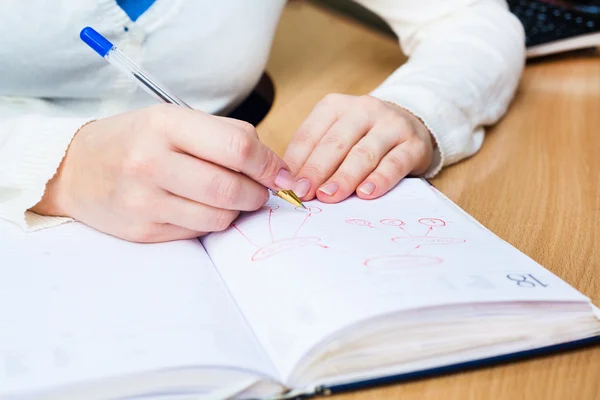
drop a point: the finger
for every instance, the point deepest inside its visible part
(194, 216)
(314, 127)
(209, 184)
(394, 166)
(331, 151)
(362, 159)
(208, 138)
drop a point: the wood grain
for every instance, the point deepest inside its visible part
(535, 183)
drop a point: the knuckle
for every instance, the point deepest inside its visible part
(159, 116)
(335, 140)
(405, 125)
(314, 171)
(364, 117)
(369, 102)
(398, 163)
(399, 124)
(248, 128)
(302, 135)
(383, 180)
(241, 147)
(228, 190)
(255, 202)
(332, 98)
(138, 164)
(345, 180)
(395, 116)
(222, 219)
(365, 154)
(406, 120)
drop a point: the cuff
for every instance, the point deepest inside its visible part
(35, 150)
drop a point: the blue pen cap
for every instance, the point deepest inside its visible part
(96, 41)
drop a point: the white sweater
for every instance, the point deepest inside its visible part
(465, 62)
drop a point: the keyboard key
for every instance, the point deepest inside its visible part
(545, 22)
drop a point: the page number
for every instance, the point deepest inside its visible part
(526, 281)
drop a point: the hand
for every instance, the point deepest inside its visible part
(356, 144)
(163, 173)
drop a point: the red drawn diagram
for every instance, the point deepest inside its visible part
(277, 245)
(413, 240)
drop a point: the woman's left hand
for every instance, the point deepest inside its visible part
(356, 144)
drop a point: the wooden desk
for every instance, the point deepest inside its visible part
(535, 183)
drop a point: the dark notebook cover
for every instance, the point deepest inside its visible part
(455, 368)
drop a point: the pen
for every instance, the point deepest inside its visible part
(110, 53)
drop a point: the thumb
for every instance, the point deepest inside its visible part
(275, 172)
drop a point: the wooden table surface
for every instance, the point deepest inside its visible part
(535, 183)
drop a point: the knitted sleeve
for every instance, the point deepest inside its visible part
(465, 60)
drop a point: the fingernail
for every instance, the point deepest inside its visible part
(302, 187)
(284, 180)
(367, 188)
(329, 188)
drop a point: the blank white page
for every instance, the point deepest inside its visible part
(301, 276)
(78, 305)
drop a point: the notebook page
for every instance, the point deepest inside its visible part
(77, 305)
(301, 276)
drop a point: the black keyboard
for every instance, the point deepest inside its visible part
(547, 22)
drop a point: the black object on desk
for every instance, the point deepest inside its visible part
(553, 26)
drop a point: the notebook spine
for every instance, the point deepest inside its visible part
(305, 394)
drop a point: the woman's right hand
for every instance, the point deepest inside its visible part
(163, 173)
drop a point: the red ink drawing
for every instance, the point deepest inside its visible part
(270, 227)
(432, 222)
(395, 222)
(244, 235)
(311, 211)
(429, 240)
(363, 222)
(413, 241)
(279, 246)
(283, 245)
(359, 222)
(392, 222)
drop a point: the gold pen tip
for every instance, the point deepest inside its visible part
(291, 197)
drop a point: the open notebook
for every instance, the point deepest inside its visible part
(284, 302)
